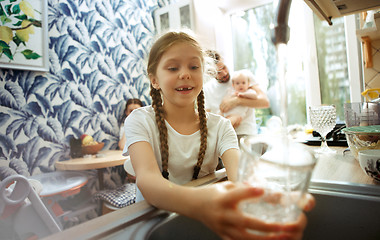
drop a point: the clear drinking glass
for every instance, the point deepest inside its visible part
(323, 120)
(282, 168)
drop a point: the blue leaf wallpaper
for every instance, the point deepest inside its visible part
(97, 52)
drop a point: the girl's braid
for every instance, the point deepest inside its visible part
(160, 119)
(203, 131)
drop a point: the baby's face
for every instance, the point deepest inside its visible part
(240, 83)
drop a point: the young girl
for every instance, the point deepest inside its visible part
(130, 105)
(172, 142)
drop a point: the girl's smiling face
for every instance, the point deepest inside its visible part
(179, 75)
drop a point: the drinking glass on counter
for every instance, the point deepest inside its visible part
(323, 120)
(282, 168)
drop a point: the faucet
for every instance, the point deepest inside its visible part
(280, 38)
(280, 33)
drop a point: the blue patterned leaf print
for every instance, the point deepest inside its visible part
(95, 46)
(147, 23)
(94, 83)
(54, 15)
(103, 9)
(106, 66)
(118, 57)
(3, 118)
(57, 86)
(105, 102)
(5, 172)
(7, 145)
(67, 74)
(78, 32)
(90, 21)
(33, 154)
(51, 131)
(76, 71)
(62, 154)
(66, 116)
(22, 121)
(44, 104)
(129, 43)
(70, 53)
(74, 115)
(119, 23)
(98, 107)
(34, 109)
(65, 9)
(81, 96)
(24, 80)
(77, 133)
(12, 96)
(102, 44)
(31, 126)
(63, 48)
(73, 6)
(19, 166)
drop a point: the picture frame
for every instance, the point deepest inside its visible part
(24, 35)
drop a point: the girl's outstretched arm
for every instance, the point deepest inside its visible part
(215, 205)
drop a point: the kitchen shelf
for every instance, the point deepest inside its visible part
(367, 35)
(373, 33)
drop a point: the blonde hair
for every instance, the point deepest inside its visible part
(157, 51)
(243, 72)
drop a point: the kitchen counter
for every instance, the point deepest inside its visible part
(339, 176)
(341, 167)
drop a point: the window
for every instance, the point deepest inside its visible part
(317, 63)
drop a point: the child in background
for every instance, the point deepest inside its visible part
(172, 142)
(131, 104)
(241, 81)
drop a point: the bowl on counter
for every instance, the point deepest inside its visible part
(361, 138)
(370, 162)
(92, 149)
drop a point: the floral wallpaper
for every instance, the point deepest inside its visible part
(97, 51)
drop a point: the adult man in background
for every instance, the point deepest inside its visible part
(217, 101)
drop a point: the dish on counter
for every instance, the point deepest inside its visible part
(362, 138)
(369, 161)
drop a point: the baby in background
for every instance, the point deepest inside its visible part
(241, 81)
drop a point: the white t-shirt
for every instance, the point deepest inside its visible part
(183, 149)
(214, 94)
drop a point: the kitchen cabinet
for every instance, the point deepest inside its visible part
(175, 16)
(367, 35)
(329, 9)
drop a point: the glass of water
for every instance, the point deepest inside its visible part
(282, 168)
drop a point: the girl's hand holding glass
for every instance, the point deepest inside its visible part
(219, 203)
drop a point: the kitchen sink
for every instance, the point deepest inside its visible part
(181, 227)
(348, 217)
(345, 216)
(338, 214)
(342, 212)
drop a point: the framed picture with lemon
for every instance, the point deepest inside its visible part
(24, 35)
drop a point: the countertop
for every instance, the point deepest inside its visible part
(340, 173)
(341, 167)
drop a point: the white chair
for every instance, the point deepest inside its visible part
(57, 187)
(22, 209)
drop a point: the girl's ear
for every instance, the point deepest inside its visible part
(154, 82)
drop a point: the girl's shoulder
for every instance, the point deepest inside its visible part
(140, 114)
(216, 119)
